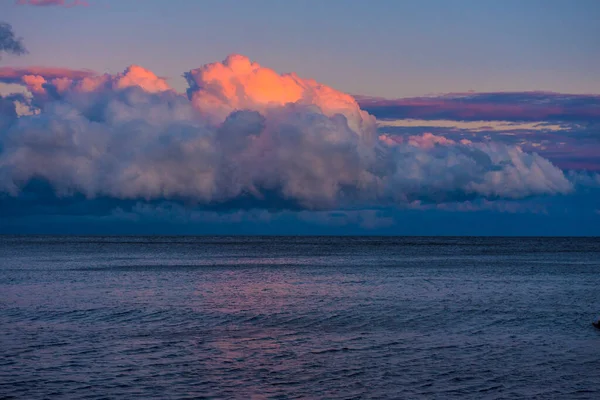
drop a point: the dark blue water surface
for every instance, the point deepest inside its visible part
(302, 317)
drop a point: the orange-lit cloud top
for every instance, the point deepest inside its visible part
(47, 3)
(63, 80)
(237, 83)
(246, 137)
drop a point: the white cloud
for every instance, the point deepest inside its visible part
(474, 126)
(244, 136)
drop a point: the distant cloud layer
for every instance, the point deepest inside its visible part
(46, 3)
(518, 106)
(563, 128)
(566, 145)
(17, 75)
(243, 137)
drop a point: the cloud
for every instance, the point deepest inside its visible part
(50, 81)
(237, 83)
(455, 171)
(568, 145)
(243, 137)
(473, 126)
(46, 3)
(16, 75)
(8, 111)
(9, 43)
(508, 106)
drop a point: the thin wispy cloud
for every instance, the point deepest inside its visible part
(473, 126)
(16, 74)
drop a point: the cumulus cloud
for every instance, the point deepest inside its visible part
(237, 83)
(464, 170)
(9, 43)
(46, 3)
(242, 137)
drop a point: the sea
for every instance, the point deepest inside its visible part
(299, 317)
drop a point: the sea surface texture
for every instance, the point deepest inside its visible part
(299, 317)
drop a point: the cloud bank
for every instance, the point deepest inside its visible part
(504, 106)
(17, 75)
(242, 137)
(563, 128)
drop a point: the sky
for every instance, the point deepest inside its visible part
(300, 117)
(382, 48)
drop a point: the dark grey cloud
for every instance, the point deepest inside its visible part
(9, 42)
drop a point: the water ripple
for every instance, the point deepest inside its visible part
(299, 318)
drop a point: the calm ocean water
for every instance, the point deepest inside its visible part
(302, 317)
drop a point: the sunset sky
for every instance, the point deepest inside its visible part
(301, 117)
(382, 48)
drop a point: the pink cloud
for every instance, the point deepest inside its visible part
(60, 3)
(238, 83)
(34, 83)
(517, 106)
(15, 75)
(425, 141)
(429, 140)
(63, 79)
(391, 140)
(135, 75)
